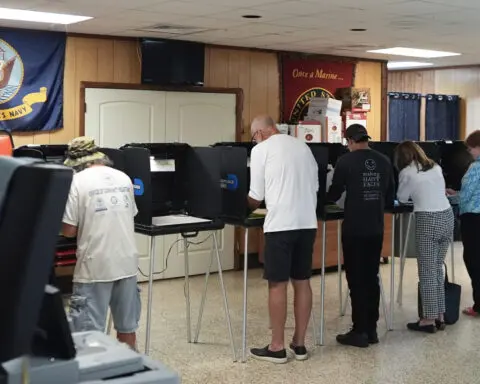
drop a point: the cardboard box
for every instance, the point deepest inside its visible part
(309, 131)
(349, 118)
(324, 106)
(355, 99)
(331, 127)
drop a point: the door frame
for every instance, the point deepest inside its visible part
(238, 92)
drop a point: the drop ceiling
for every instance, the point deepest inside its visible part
(312, 26)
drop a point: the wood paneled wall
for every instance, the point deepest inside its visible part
(88, 59)
(257, 73)
(369, 75)
(464, 82)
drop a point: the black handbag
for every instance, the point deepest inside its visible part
(453, 293)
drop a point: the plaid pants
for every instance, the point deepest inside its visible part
(434, 232)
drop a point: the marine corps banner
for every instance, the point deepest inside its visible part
(31, 80)
(303, 79)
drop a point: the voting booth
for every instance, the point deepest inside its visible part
(37, 345)
(185, 190)
(65, 251)
(243, 217)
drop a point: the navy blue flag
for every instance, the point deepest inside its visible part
(31, 80)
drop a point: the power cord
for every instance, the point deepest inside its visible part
(170, 251)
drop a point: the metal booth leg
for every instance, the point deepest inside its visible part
(225, 300)
(187, 290)
(204, 296)
(403, 257)
(392, 276)
(150, 293)
(245, 282)
(322, 297)
(339, 262)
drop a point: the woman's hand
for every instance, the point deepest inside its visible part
(450, 192)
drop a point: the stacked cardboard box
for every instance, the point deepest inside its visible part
(323, 122)
(356, 102)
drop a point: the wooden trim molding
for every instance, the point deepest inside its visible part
(384, 104)
(238, 92)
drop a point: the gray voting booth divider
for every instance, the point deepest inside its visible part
(37, 346)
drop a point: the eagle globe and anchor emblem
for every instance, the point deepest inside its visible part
(11, 81)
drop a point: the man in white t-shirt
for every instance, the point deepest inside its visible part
(99, 212)
(284, 173)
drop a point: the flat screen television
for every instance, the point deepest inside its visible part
(172, 62)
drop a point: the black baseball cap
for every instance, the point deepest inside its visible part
(356, 132)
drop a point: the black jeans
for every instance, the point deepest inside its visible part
(361, 256)
(470, 229)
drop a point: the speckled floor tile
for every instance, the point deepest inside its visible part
(401, 357)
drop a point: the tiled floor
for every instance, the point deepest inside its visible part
(448, 357)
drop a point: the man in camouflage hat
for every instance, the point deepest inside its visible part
(99, 212)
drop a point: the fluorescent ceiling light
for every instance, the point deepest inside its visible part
(406, 64)
(40, 17)
(414, 52)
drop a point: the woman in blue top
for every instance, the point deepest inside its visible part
(469, 200)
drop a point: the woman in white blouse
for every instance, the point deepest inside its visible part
(421, 181)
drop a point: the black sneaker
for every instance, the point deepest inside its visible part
(372, 337)
(440, 325)
(422, 328)
(265, 354)
(354, 339)
(300, 353)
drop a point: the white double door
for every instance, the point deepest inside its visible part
(116, 117)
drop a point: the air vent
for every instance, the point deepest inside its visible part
(173, 29)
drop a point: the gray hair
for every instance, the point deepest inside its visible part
(104, 161)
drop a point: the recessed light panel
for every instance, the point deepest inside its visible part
(414, 52)
(407, 64)
(40, 17)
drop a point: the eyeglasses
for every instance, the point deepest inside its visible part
(254, 137)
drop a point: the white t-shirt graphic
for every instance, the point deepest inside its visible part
(284, 173)
(102, 206)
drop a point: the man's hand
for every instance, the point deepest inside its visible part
(450, 192)
(69, 230)
(253, 204)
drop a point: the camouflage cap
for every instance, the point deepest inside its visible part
(82, 150)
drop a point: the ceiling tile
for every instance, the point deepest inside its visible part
(266, 16)
(236, 3)
(211, 22)
(292, 7)
(187, 8)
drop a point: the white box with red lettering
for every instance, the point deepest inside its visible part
(332, 127)
(309, 131)
(350, 118)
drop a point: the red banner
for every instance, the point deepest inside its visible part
(304, 79)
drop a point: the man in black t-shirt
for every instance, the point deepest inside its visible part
(367, 177)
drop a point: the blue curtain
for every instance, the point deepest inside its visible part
(442, 117)
(404, 116)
